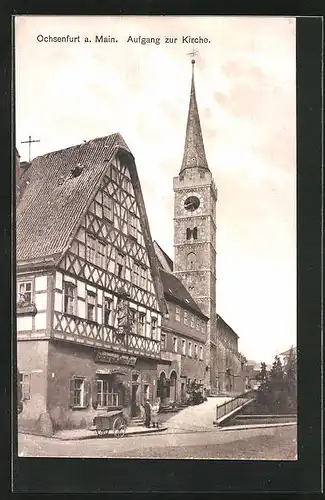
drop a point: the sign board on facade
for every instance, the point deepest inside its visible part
(117, 359)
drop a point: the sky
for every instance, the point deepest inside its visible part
(246, 92)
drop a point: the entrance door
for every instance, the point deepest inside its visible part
(134, 407)
(183, 392)
(173, 387)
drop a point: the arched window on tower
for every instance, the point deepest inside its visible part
(188, 233)
(191, 260)
(194, 232)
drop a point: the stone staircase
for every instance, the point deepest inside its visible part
(136, 422)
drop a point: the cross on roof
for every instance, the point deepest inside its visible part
(194, 52)
(29, 142)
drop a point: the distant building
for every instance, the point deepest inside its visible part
(230, 362)
(284, 355)
(183, 334)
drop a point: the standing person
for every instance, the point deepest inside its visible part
(142, 412)
(155, 412)
(147, 410)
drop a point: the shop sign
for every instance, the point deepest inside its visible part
(114, 358)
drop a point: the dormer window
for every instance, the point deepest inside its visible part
(77, 170)
(24, 295)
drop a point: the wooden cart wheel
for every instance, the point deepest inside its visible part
(119, 427)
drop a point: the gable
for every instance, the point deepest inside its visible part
(112, 233)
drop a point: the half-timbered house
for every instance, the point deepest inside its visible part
(89, 293)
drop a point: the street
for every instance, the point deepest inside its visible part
(277, 443)
(190, 434)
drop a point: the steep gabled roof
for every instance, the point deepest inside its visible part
(174, 289)
(164, 260)
(286, 353)
(54, 201)
(219, 318)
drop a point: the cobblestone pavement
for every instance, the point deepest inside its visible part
(278, 443)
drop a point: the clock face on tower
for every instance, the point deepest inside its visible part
(192, 202)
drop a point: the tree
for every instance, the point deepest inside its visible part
(277, 392)
(290, 377)
(262, 374)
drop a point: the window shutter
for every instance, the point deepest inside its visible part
(28, 377)
(86, 393)
(158, 387)
(72, 387)
(19, 388)
(94, 394)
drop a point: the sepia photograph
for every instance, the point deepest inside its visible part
(155, 227)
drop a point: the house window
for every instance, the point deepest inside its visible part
(188, 233)
(91, 249)
(177, 314)
(136, 274)
(163, 342)
(25, 291)
(142, 318)
(107, 394)
(183, 347)
(101, 255)
(185, 318)
(114, 174)
(201, 352)
(107, 207)
(107, 310)
(120, 263)
(190, 349)
(98, 209)
(126, 184)
(24, 380)
(175, 344)
(194, 232)
(195, 351)
(133, 225)
(91, 306)
(133, 314)
(79, 392)
(192, 321)
(81, 249)
(191, 260)
(153, 328)
(69, 298)
(143, 272)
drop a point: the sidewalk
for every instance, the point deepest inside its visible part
(77, 434)
(255, 426)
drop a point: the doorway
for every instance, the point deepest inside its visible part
(173, 387)
(161, 387)
(134, 407)
(183, 392)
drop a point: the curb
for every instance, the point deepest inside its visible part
(94, 435)
(254, 426)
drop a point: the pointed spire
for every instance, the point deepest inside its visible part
(194, 152)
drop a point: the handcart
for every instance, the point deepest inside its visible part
(112, 420)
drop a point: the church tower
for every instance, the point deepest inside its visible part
(195, 197)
